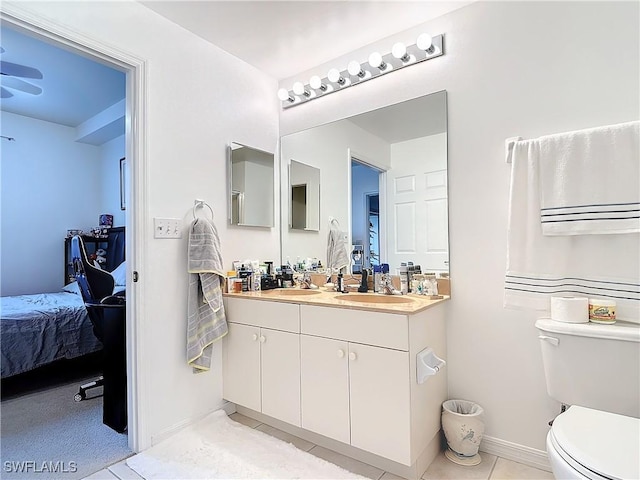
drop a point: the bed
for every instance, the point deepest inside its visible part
(38, 329)
(41, 328)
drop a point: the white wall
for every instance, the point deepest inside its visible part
(50, 183)
(110, 155)
(510, 68)
(198, 100)
(326, 148)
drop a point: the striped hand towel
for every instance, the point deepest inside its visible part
(206, 321)
(589, 180)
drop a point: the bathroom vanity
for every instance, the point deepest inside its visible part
(340, 370)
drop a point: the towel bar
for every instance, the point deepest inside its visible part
(201, 204)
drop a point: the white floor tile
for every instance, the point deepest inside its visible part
(391, 476)
(249, 422)
(286, 437)
(444, 469)
(101, 475)
(347, 463)
(509, 470)
(124, 472)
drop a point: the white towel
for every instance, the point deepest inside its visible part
(538, 266)
(337, 254)
(206, 321)
(590, 180)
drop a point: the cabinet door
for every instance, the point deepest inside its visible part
(325, 386)
(380, 401)
(241, 366)
(281, 375)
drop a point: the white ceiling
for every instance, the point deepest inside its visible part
(283, 38)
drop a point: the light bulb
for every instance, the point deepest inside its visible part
(375, 60)
(283, 94)
(354, 68)
(298, 89)
(399, 50)
(316, 83)
(335, 77)
(425, 42)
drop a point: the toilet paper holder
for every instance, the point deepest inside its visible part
(428, 364)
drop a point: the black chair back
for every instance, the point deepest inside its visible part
(95, 283)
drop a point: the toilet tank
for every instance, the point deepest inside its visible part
(592, 365)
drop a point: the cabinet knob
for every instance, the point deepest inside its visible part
(352, 356)
(263, 339)
(340, 353)
(254, 336)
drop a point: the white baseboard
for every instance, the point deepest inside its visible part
(516, 452)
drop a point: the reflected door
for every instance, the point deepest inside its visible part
(417, 204)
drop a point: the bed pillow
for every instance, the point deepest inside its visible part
(71, 288)
(120, 274)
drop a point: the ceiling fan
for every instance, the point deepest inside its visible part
(8, 73)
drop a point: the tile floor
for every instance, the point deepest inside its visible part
(491, 468)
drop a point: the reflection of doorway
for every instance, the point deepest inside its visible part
(237, 207)
(299, 206)
(365, 212)
(372, 253)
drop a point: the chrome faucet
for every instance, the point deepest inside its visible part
(306, 280)
(386, 285)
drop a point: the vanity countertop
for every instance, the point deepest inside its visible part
(375, 302)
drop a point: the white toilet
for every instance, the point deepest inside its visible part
(595, 369)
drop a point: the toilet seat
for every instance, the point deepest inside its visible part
(599, 445)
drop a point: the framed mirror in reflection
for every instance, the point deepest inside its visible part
(251, 186)
(304, 197)
(386, 185)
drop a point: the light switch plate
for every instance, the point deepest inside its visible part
(167, 228)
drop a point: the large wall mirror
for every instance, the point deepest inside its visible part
(384, 179)
(250, 184)
(304, 197)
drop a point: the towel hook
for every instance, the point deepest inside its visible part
(201, 204)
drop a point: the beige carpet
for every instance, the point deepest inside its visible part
(46, 435)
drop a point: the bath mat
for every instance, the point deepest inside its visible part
(217, 447)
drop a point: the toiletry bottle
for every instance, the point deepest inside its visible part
(377, 272)
(402, 271)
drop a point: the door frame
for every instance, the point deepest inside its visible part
(137, 207)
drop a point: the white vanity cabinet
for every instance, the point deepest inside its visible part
(352, 393)
(366, 406)
(343, 378)
(261, 364)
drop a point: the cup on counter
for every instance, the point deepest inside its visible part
(602, 311)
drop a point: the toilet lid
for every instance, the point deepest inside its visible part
(606, 443)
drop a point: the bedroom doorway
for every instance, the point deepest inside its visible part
(135, 188)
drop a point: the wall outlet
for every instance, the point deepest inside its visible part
(167, 228)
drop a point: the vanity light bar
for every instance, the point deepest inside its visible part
(425, 48)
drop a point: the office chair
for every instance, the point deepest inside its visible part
(107, 314)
